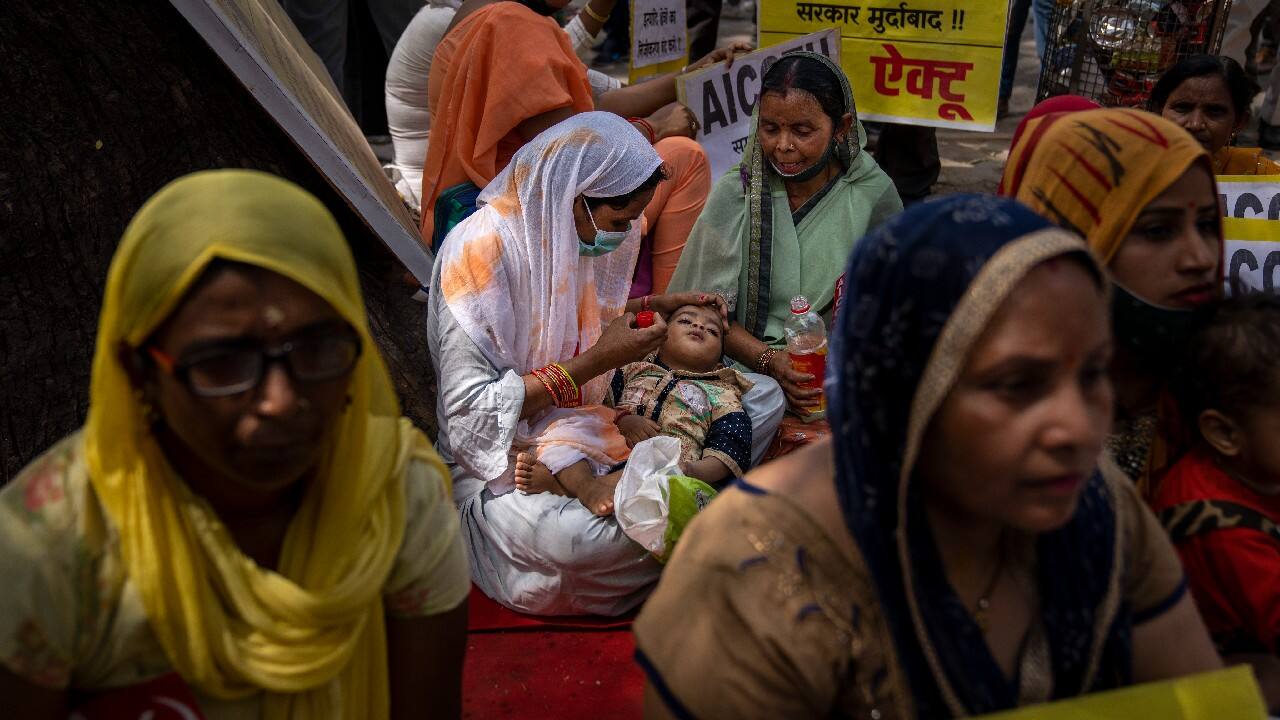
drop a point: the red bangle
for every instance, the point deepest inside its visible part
(560, 386)
(541, 375)
(648, 128)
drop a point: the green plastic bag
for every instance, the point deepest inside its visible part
(686, 497)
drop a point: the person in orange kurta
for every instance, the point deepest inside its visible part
(504, 72)
(1209, 97)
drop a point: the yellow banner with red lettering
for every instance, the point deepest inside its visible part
(916, 62)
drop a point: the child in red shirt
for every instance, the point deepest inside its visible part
(1221, 502)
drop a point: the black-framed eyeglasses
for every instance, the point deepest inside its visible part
(238, 366)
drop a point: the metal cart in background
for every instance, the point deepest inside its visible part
(1113, 51)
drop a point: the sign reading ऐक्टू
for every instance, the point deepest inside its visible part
(722, 97)
(915, 62)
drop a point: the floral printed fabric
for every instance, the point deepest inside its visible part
(71, 618)
(701, 410)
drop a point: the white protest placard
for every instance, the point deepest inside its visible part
(1251, 254)
(659, 37)
(723, 98)
(1250, 196)
(262, 48)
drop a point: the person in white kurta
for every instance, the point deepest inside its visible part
(512, 292)
(408, 119)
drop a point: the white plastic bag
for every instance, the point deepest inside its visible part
(640, 499)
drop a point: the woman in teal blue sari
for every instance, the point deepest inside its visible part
(782, 224)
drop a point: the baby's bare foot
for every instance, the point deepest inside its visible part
(532, 477)
(597, 496)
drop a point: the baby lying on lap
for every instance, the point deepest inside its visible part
(683, 392)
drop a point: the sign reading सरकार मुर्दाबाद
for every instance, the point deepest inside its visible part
(723, 98)
(659, 37)
(914, 62)
(1251, 232)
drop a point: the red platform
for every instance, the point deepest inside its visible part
(562, 668)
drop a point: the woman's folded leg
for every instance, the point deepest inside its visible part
(548, 555)
(766, 404)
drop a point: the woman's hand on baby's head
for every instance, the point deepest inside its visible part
(668, 304)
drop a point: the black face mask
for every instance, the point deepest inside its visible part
(1156, 335)
(813, 170)
(539, 6)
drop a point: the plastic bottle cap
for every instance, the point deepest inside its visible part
(644, 319)
(799, 305)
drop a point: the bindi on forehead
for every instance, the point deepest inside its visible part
(272, 316)
(238, 302)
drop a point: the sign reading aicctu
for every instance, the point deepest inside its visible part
(729, 97)
(723, 98)
(1251, 229)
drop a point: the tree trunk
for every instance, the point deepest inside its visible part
(105, 102)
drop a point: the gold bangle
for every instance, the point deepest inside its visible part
(765, 360)
(592, 14)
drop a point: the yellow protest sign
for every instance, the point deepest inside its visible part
(1230, 693)
(916, 62)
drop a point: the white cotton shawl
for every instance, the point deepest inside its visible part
(511, 274)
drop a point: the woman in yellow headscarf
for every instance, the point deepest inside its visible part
(245, 525)
(1140, 190)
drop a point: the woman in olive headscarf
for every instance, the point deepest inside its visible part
(245, 525)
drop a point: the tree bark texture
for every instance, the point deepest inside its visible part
(104, 102)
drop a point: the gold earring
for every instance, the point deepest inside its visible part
(150, 415)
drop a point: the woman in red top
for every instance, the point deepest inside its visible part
(1221, 502)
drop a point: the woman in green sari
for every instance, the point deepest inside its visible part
(784, 222)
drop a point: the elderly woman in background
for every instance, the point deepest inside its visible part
(783, 223)
(1140, 190)
(529, 312)
(1209, 97)
(245, 511)
(958, 548)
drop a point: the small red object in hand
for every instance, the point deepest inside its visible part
(644, 319)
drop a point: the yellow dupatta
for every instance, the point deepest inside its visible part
(1094, 171)
(311, 635)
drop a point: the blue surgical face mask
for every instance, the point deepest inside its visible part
(605, 241)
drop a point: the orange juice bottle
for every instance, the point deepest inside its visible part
(807, 346)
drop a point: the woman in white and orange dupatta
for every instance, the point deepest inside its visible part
(536, 282)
